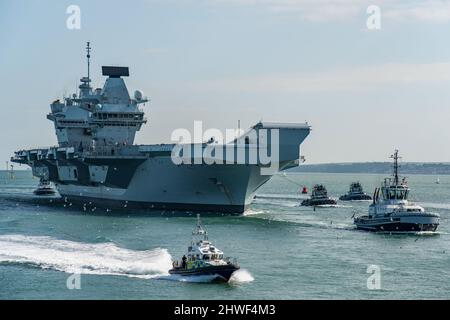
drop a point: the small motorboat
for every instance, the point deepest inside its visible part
(45, 188)
(355, 193)
(394, 213)
(319, 197)
(204, 259)
(304, 190)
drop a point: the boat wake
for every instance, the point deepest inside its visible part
(332, 206)
(251, 212)
(433, 205)
(239, 276)
(281, 197)
(411, 233)
(85, 258)
(277, 201)
(429, 233)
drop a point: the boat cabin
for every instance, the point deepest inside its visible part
(356, 187)
(319, 191)
(204, 250)
(395, 191)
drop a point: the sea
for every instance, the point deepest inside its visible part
(53, 250)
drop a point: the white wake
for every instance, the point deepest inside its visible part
(87, 258)
(241, 275)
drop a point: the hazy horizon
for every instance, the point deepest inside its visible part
(364, 92)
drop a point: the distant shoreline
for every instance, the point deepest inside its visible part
(427, 168)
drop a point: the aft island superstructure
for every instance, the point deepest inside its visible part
(97, 163)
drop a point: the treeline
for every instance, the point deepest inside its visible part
(376, 167)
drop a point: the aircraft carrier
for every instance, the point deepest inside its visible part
(96, 162)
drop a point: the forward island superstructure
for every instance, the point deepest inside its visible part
(97, 163)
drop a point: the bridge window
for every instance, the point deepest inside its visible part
(396, 194)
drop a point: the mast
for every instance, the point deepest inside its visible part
(85, 87)
(88, 56)
(199, 230)
(395, 157)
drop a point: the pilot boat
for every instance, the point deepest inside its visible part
(355, 193)
(393, 212)
(319, 197)
(44, 188)
(204, 259)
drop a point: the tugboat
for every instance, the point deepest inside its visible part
(355, 193)
(44, 188)
(319, 197)
(203, 259)
(394, 213)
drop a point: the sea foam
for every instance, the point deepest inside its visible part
(87, 258)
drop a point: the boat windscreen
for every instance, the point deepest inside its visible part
(395, 194)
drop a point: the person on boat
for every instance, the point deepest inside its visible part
(183, 262)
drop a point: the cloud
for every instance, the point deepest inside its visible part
(365, 78)
(335, 10)
(310, 10)
(429, 11)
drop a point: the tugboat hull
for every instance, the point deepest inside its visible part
(401, 224)
(223, 273)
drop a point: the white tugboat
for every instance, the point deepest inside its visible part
(319, 197)
(203, 259)
(44, 188)
(356, 193)
(394, 213)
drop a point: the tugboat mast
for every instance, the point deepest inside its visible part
(395, 157)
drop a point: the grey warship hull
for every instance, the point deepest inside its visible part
(146, 177)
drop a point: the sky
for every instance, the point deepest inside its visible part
(363, 91)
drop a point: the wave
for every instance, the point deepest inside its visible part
(280, 196)
(251, 212)
(434, 205)
(87, 258)
(332, 206)
(291, 203)
(326, 225)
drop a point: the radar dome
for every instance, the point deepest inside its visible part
(138, 95)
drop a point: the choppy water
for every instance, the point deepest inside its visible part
(286, 251)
